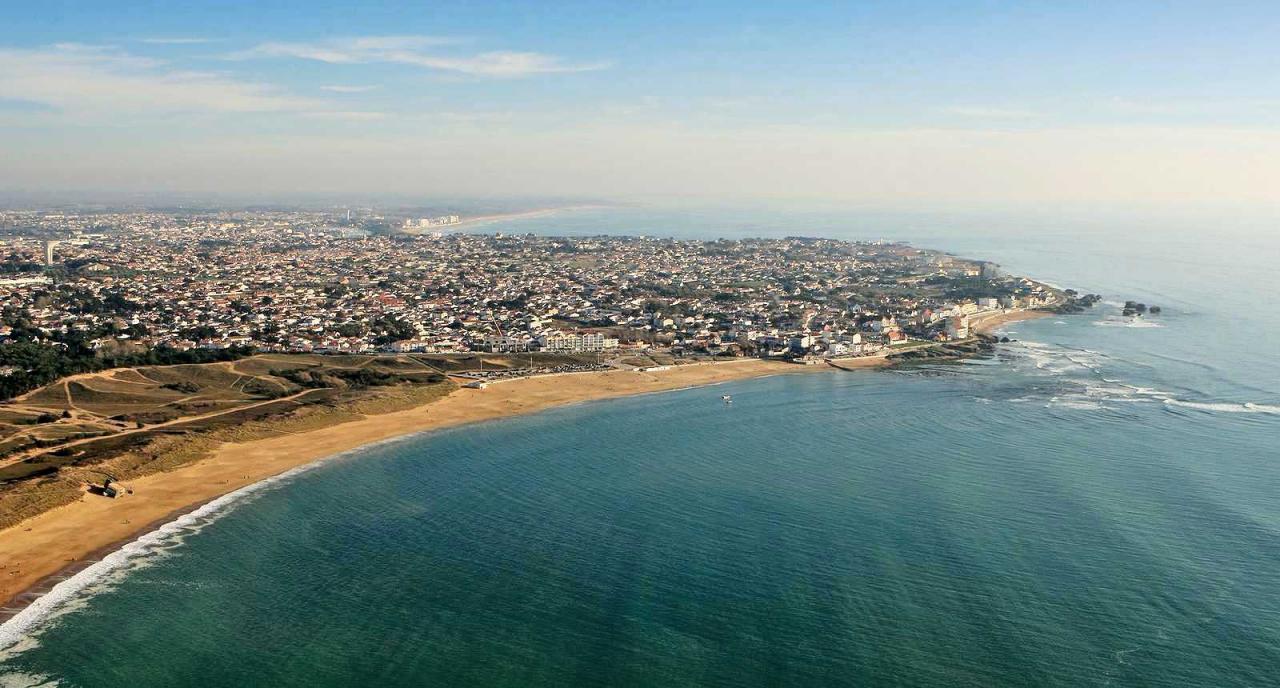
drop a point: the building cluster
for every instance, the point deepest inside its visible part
(424, 222)
(293, 281)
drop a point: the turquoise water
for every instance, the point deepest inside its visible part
(1097, 505)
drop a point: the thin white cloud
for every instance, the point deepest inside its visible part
(89, 52)
(503, 64)
(345, 50)
(409, 50)
(347, 89)
(474, 117)
(177, 40)
(987, 112)
(299, 50)
(79, 78)
(400, 42)
(353, 115)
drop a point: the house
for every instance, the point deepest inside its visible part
(958, 327)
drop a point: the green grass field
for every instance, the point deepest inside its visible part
(194, 398)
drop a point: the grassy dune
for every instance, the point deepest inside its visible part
(136, 422)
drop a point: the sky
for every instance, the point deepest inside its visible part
(920, 104)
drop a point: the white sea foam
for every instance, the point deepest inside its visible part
(1226, 407)
(1079, 381)
(1075, 403)
(1147, 391)
(1085, 395)
(1056, 360)
(1116, 389)
(1092, 394)
(1127, 322)
(71, 594)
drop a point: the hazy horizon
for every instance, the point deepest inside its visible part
(906, 105)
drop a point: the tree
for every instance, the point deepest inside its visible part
(350, 329)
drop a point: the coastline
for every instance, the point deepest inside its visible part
(39, 553)
(524, 214)
(499, 217)
(48, 548)
(987, 323)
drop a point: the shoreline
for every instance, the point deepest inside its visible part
(536, 212)
(53, 546)
(499, 217)
(987, 323)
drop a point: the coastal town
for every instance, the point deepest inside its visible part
(629, 344)
(137, 346)
(310, 282)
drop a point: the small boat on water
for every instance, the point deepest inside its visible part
(726, 397)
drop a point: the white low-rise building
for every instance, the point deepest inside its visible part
(505, 344)
(589, 341)
(958, 327)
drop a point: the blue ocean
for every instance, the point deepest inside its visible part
(1096, 505)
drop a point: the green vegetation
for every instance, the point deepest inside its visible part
(357, 378)
(36, 364)
(107, 421)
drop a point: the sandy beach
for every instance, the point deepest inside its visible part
(537, 212)
(499, 217)
(38, 552)
(986, 323)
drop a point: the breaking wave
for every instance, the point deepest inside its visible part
(1226, 407)
(1127, 322)
(17, 633)
(1076, 380)
(1056, 359)
(69, 594)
